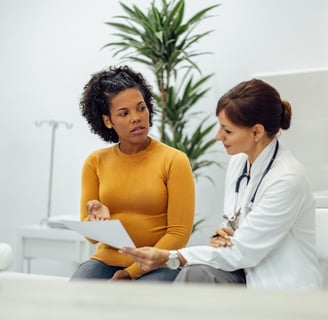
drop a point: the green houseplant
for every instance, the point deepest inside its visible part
(161, 40)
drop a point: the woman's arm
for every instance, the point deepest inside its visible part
(89, 190)
(181, 204)
(180, 207)
(89, 186)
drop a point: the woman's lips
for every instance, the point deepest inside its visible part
(138, 130)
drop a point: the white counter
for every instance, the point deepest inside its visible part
(40, 299)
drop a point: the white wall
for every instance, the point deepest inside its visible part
(50, 48)
(307, 138)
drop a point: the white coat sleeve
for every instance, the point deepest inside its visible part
(278, 205)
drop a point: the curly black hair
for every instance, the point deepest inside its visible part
(102, 87)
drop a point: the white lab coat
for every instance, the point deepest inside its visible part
(275, 241)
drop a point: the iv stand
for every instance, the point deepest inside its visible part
(54, 126)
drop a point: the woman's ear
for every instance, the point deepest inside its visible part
(107, 121)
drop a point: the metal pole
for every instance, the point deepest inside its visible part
(54, 125)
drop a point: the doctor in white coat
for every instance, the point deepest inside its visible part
(268, 239)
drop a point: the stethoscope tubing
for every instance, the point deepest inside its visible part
(244, 175)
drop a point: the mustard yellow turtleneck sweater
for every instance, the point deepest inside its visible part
(150, 192)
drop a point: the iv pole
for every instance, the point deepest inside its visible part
(54, 126)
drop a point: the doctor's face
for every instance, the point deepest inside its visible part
(235, 139)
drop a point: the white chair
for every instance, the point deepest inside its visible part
(6, 256)
(322, 233)
(322, 240)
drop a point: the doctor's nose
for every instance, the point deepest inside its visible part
(218, 136)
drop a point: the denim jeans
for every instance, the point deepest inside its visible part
(94, 269)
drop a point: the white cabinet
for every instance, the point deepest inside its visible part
(51, 244)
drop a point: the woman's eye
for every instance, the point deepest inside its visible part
(227, 131)
(123, 114)
(142, 108)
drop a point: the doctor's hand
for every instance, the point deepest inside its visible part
(148, 258)
(97, 211)
(222, 238)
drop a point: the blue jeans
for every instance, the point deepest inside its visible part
(94, 269)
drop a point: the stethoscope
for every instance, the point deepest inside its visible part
(233, 220)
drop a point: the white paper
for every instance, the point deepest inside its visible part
(110, 232)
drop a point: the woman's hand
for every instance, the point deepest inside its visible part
(97, 211)
(148, 258)
(121, 275)
(222, 238)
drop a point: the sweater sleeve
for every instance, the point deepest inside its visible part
(89, 187)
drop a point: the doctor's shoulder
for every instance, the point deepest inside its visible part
(288, 175)
(287, 164)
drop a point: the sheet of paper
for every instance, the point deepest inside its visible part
(110, 232)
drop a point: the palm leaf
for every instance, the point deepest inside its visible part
(162, 39)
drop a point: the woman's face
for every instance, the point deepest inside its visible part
(235, 139)
(129, 116)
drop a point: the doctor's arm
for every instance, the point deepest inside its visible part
(261, 231)
(150, 258)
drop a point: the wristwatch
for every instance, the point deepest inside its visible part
(173, 261)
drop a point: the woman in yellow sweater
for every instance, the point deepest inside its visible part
(144, 183)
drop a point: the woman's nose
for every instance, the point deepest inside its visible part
(135, 118)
